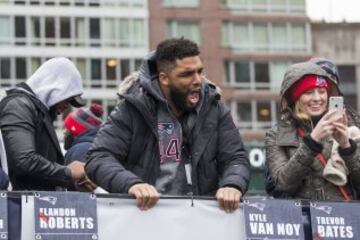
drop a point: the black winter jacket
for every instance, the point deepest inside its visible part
(33, 152)
(126, 151)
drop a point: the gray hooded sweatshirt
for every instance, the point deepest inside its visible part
(55, 80)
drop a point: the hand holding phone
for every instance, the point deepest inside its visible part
(336, 102)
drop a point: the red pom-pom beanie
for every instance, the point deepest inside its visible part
(84, 119)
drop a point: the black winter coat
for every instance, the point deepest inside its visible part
(126, 151)
(33, 152)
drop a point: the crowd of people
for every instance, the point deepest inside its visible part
(172, 134)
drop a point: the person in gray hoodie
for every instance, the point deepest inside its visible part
(170, 134)
(34, 157)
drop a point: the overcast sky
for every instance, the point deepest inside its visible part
(334, 10)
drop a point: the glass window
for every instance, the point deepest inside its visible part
(94, 31)
(35, 29)
(139, 32)
(95, 69)
(279, 37)
(181, 3)
(348, 84)
(109, 31)
(5, 68)
(49, 27)
(80, 31)
(35, 64)
(264, 111)
(81, 66)
(125, 68)
(298, 37)
(50, 31)
(4, 30)
(241, 35)
(20, 31)
(260, 37)
(189, 30)
(262, 77)
(244, 111)
(227, 72)
(20, 68)
(94, 28)
(277, 71)
(65, 28)
(124, 32)
(242, 72)
(111, 69)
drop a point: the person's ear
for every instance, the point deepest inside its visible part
(163, 79)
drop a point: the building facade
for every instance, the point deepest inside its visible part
(106, 39)
(340, 42)
(246, 46)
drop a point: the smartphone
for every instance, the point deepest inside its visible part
(336, 103)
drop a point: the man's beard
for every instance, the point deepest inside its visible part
(179, 99)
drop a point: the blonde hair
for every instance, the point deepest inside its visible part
(298, 113)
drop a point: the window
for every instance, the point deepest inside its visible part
(186, 29)
(244, 111)
(348, 83)
(108, 32)
(95, 69)
(81, 66)
(298, 37)
(260, 37)
(20, 31)
(265, 37)
(279, 37)
(242, 72)
(255, 75)
(80, 31)
(35, 64)
(4, 30)
(50, 31)
(94, 31)
(20, 68)
(111, 69)
(5, 68)
(139, 33)
(277, 71)
(263, 112)
(35, 30)
(254, 114)
(181, 3)
(262, 76)
(267, 6)
(65, 31)
(125, 68)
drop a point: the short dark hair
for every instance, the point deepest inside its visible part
(169, 50)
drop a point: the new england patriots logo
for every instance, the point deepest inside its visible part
(166, 128)
(321, 82)
(49, 199)
(323, 208)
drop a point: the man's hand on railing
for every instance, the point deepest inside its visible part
(228, 198)
(146, 195)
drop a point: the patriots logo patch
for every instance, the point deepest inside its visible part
(166, 128)
(321, 82)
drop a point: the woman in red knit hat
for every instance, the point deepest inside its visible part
(299, 147)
